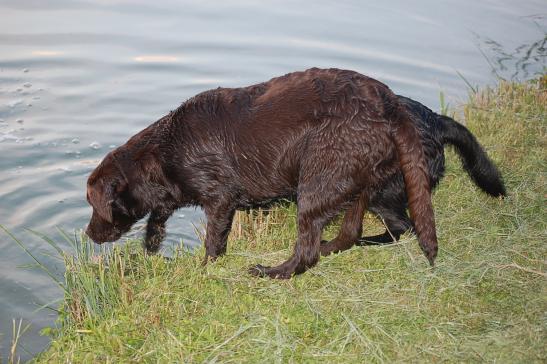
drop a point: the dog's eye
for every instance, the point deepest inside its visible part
(119, 208)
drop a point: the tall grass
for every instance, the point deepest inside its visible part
(484, 301)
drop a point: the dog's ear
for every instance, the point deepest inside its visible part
(100, 196)
(147, 159)
(154, 181)
(103, 200)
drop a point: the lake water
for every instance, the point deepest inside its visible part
(78, 78)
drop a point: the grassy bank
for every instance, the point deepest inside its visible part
(486, 300)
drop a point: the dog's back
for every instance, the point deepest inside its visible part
(260, 135)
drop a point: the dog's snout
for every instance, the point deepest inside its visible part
(91, 235)
(88, 232)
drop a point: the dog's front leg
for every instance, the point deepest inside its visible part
(219, 223)
(155, 230)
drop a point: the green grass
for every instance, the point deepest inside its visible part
(486, 299)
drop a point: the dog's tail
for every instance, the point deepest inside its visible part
(474, 159)
(416, 177)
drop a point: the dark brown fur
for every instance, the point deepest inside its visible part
(390, 202)
(326, 138)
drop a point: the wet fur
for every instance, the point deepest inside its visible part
(390, 202)
(326, 138)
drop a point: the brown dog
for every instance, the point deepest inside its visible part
(326, 138)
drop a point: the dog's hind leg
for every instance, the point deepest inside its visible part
(219, 223)
(416, 177)
(306, 251)
(351, 229)
(317, 205)
(397, 223)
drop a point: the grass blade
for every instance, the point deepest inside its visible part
(40, 264)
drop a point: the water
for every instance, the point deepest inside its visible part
(79, 77)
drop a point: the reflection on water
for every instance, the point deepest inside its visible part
(77, 78)
(45, 53)
(156, 59)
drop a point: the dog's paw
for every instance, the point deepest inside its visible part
(208, 258)
(261, 271)
(257, 270)
(326, 248)
(335, 246)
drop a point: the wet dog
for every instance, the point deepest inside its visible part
(390, 201)
(326, 138)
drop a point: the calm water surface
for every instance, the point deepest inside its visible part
(78, 78)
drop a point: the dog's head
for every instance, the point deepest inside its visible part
(110, 191)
